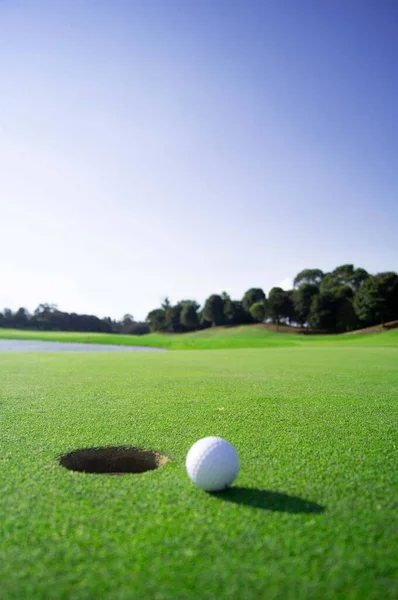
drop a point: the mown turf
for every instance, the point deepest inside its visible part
(246, 336)
(313, 513)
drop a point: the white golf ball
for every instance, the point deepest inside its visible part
(212, 464)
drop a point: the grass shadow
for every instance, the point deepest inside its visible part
(267, 500)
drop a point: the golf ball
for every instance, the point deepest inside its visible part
(212, 464)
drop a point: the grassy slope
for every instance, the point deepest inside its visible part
(218, 338)
(318, 424)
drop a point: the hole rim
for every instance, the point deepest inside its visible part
(113, 460)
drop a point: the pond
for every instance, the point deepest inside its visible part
(41, 346)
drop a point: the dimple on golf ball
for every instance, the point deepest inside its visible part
(212, 464)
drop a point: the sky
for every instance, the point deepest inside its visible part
(180, 148)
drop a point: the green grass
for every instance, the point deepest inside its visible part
(246, 336)
(316, 424)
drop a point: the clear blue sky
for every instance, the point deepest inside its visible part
(182, 148)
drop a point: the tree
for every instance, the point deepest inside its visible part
(170, 318)
(43, 316)
(234, 313)
(290, 309)
(228, 308)
(113, 325)
(257, 311)
(377, 299)
(302, 299)
(173, 318)
(333, 310)
(213, 310)
(166, 303)
(344, 275)
(157, 320)
(189, 315)
(127, 320)
(137, 329)
(349, 275)
(7, 318)
(21, 318)
(125, 325)
(48, 317)
(313, 276)
(278, 305)
(346, 319)
(45, 308)
(359, 277)
(191, 302)
(172, 315)
(203, 322)
(251, 296)
(322, 312)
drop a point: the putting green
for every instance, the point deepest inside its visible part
(313, 513)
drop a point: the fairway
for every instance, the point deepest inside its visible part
(213, 338)
(313, 513)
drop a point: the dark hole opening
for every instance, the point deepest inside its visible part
(113, 460)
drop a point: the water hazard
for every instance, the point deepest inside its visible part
(41, 346)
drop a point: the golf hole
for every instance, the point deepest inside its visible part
(113, 460)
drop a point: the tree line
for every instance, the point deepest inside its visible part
(344, 299)
(47, 317)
